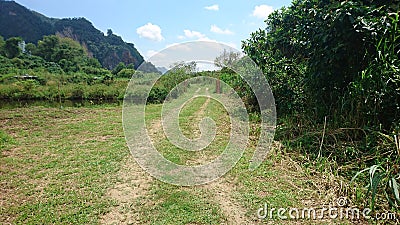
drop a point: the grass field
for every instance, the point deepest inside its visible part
(72, 166)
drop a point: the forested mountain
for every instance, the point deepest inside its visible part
(16, 20)
(110, 49)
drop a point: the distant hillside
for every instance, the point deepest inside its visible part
(162, 69)
(110, 49)
(16, 20)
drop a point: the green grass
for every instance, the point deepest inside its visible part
(189, 121)
(273, 183)
(57, 165)
(177, 205)
(60, 164)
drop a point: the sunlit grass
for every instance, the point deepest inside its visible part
(60, 164)
(57, 165)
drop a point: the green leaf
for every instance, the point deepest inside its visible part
(395, 188)
(372, 170)
(376, 179)
(357, 174)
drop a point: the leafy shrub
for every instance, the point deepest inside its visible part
(157, 94)
(77, 93)
(126, 73)
(95, 71)
(333, 67)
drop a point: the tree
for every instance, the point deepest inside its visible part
(30, 48)
(70, 50)
(183, 68)
(335, 40)
(66, 52)
(118, 68)
(109, 32)
(93, 62)
(130, 66)
(126, 73)
(12, 48)
(2, 43)
(227, 59)
(47, 47)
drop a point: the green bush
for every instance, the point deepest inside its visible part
(333, 67)
(126, 73)
(157, 94)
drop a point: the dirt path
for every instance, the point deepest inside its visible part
(221, 190)
(222, 194)
(134, 183)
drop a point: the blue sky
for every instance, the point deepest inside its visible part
(153, 25)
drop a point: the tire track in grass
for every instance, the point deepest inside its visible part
(134, 185)
(221, 190)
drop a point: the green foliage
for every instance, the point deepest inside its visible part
(110, 50)
(57, 55)
(96, 71)
(167, 83)
(58, 68)
(47, 47)
(333, 67)
(235, 81)
(118, 68)
(93, 62)
(328, 39)
(16, 20)
(226, 59)
(126, 73)
(375, 93)
(32, 26)
(387, 178)
(69, 54)
(157, 94)
(12, 48)
(2, 43)
(30, 48)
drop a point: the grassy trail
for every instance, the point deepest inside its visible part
(72, 166)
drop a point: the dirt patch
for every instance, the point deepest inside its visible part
(133, 183)
(222, 191)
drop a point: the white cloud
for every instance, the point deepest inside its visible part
(212, 7)
(150, 31)
(194, 34)
(262, 11)
(150, 53)
(197, 36)
(216, 29)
